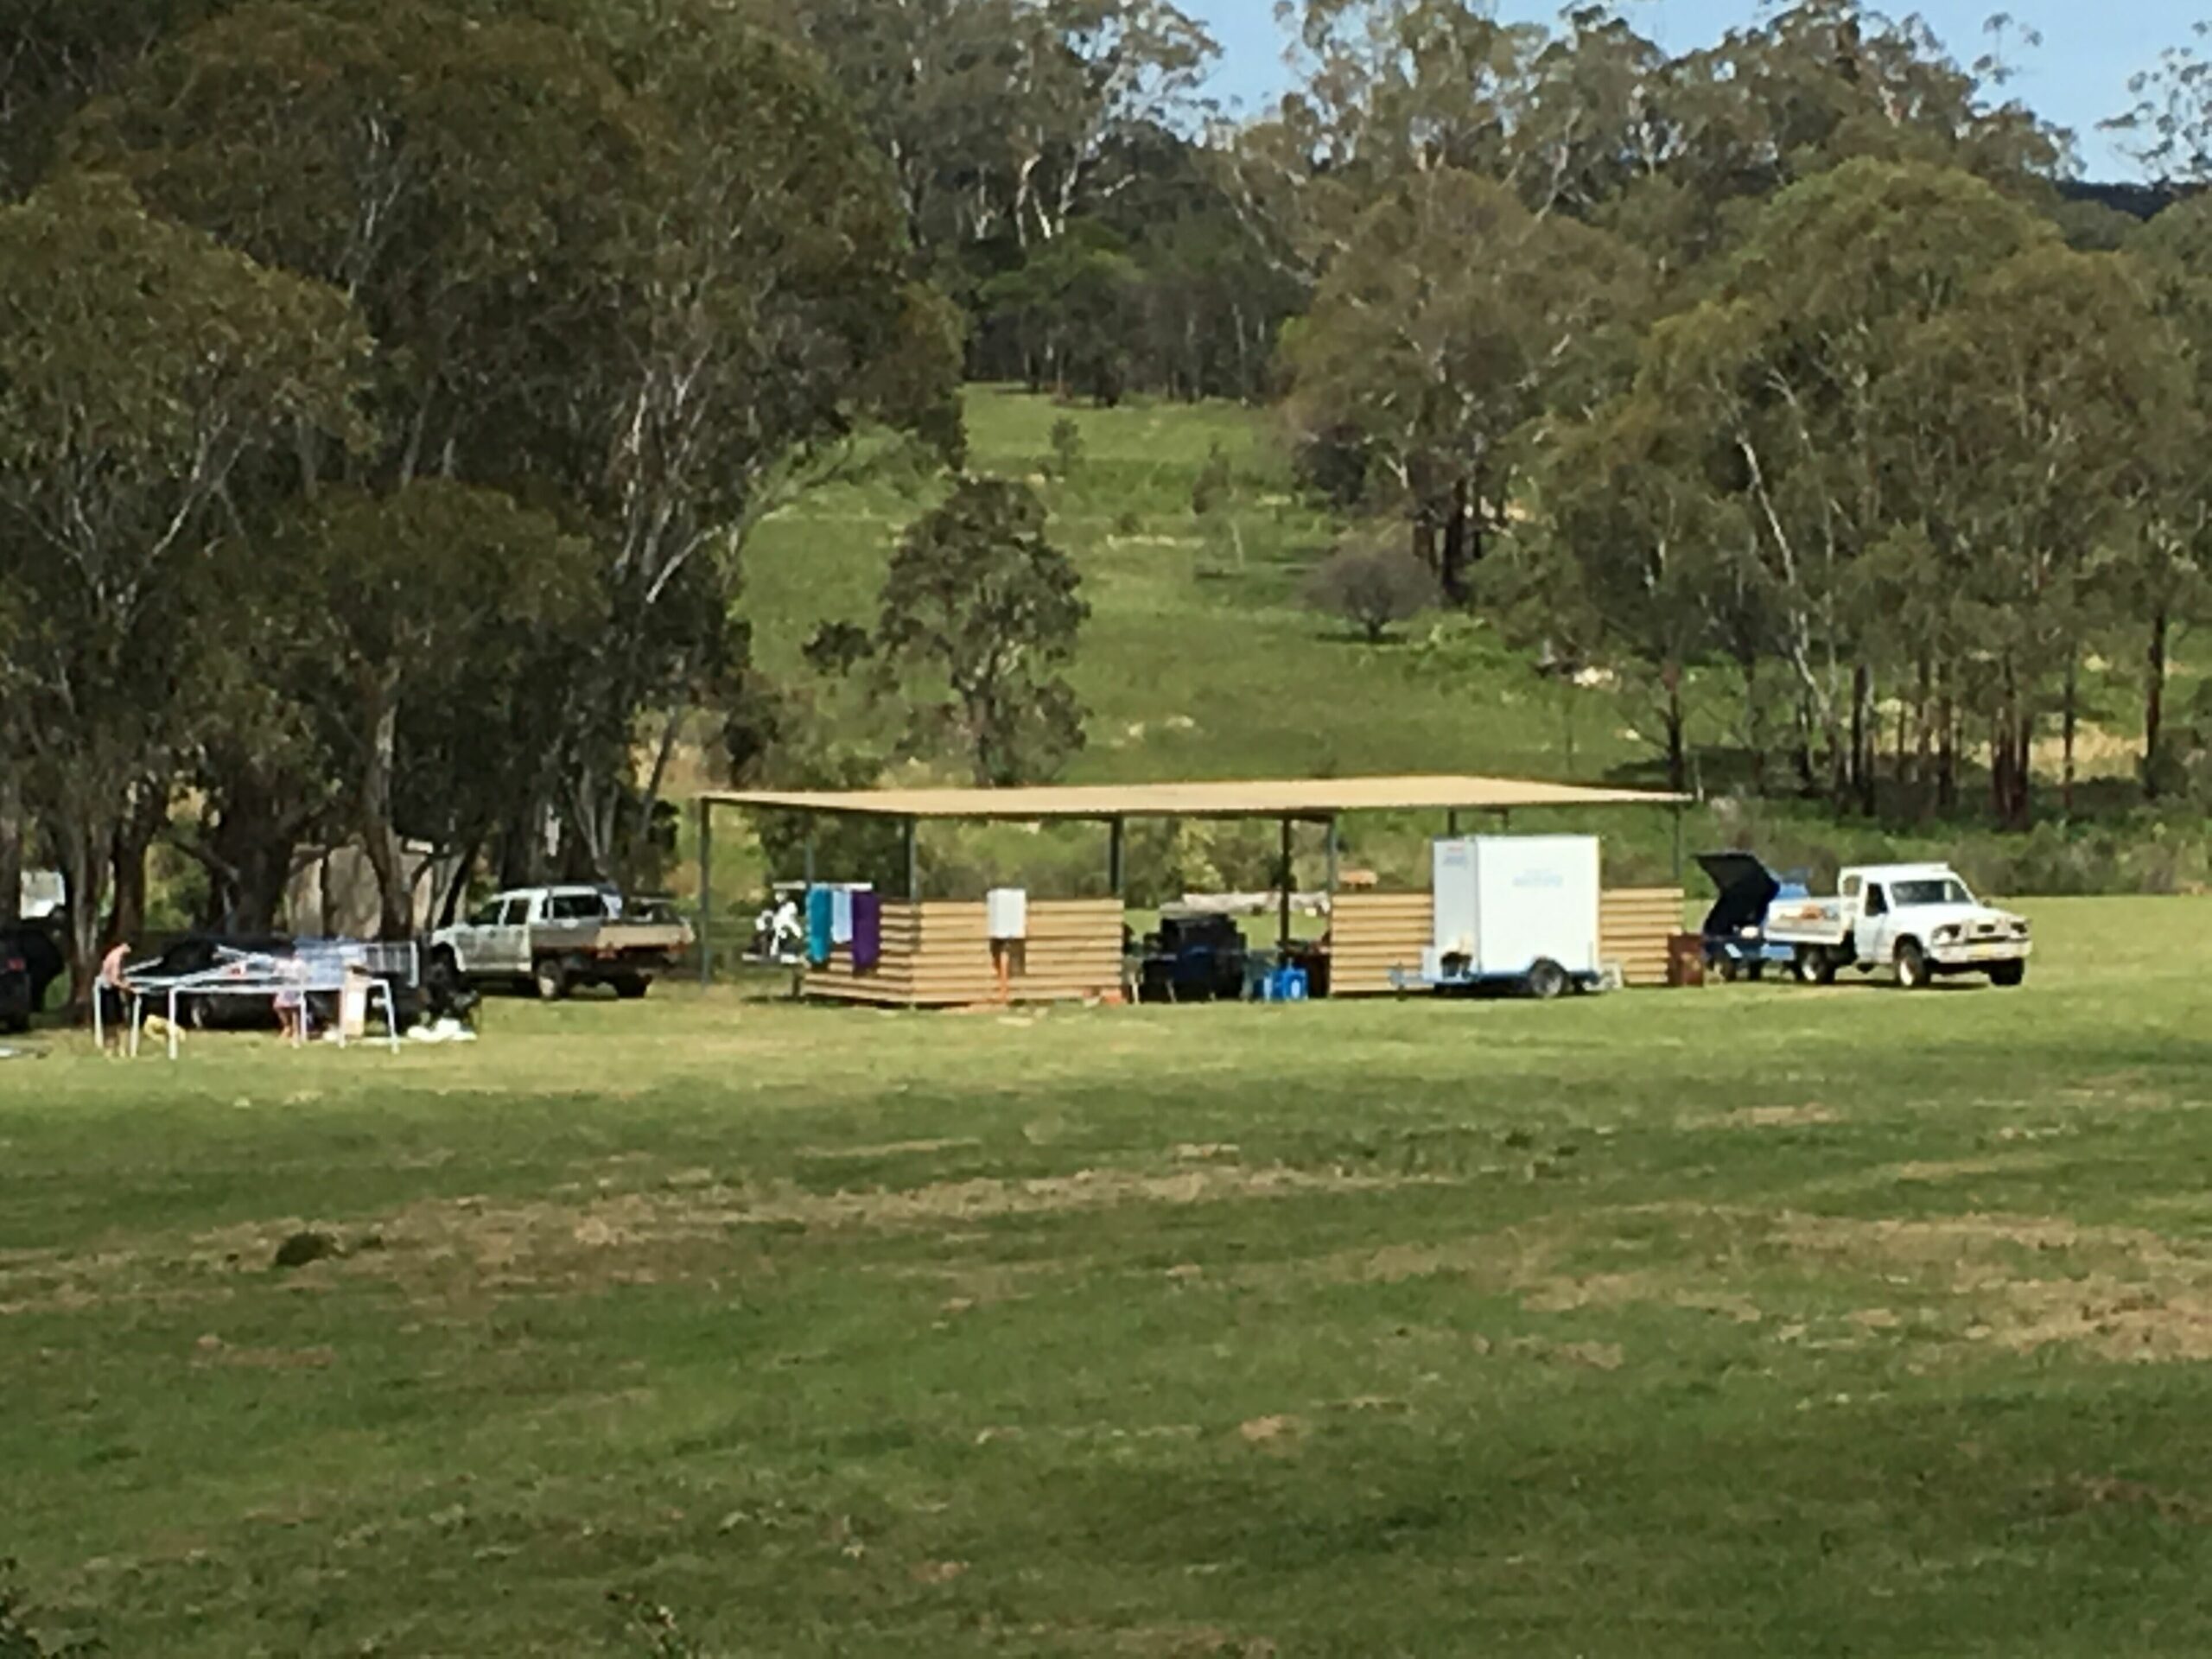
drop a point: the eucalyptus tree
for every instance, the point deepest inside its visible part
(143, 367)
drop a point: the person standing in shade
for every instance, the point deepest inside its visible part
(114, 993)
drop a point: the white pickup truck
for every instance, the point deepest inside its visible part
(556, 939)
(1920, 919)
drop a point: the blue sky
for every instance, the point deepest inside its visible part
(2077, 78)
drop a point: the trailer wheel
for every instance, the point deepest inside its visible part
(631, 987)
(1913, 974)
(550, 976)
(1548, 981)
(2006, 976)
(1731, 971)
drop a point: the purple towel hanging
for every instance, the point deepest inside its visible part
(867, 930)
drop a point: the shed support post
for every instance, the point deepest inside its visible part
(706, 891)
(1116, 857)
(808, 871)
(1332, 868)
(1288, 881)
(1451, 825)
(1678, 843)
(911, 834)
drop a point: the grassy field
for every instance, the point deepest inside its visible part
(1756, 1321)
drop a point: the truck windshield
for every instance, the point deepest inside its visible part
(1948, 890)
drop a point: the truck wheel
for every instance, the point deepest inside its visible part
(1815, 967)
(631, 987)
(550, 977)
(1731, 971)
(1913, 972)
(1547, 982)
(2007, 975)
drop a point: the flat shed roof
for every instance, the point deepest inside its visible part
(1313, 799)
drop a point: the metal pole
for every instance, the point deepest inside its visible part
(1678, 843)
(1451, 825)
(810, 856)
(706, 891)
(1333, 864)
(1287, 883)
(912, 837)
(1117, 867)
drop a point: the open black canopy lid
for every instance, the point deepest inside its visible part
(1746, 886)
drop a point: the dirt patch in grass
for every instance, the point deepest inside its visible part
(2109, 1491)
(1960, 1169)
(2011, 1283)
(888, 1149)
(2123, 1293)
(1768, 1117)
(688, 1226)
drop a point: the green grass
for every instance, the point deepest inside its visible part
(1756, 1321)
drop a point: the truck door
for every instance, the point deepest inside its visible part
(1871, 933)
(506, 941)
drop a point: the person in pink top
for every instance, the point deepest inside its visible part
(114, 993)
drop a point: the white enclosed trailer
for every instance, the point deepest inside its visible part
(1515, 911)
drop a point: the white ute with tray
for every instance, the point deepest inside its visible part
(1921, 920)
(555, 940)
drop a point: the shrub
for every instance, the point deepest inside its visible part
(1215, 483)
(1372, 588)
(1067, 448)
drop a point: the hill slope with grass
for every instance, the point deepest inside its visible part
(1201, 660)
(1204, 659)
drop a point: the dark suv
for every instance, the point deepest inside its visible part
(30, 961)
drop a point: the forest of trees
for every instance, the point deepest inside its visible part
(388, 387)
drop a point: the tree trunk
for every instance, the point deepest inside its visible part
(2154, 704)
(249, 854)
(1947, 759)
(85, 847)
(14, 830)
(1678, 771)
(2069, 723)
(1462, 545)
(1753, 726)
(1808, 773)
(1924, 740)
(1865, 738)
(379, 840)
(456, 891)
(134, 836)
(2000, 768)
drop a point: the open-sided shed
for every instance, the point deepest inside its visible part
(938, 953)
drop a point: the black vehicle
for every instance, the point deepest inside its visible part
(197, 954)
(15, 1005)
(30, 961)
